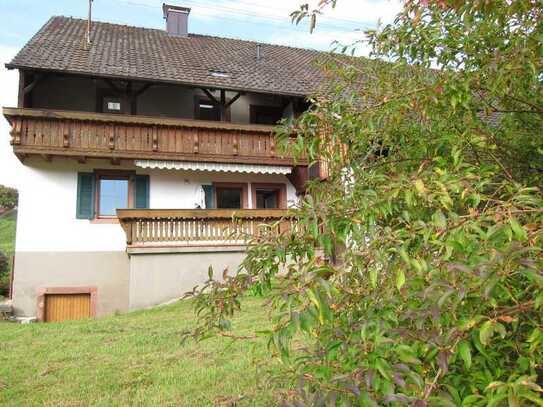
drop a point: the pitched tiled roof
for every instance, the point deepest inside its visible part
(151, 54)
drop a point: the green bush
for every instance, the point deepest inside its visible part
(428, 290)
(4, 275)
(8, 197)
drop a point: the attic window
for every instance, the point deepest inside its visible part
(219, 74)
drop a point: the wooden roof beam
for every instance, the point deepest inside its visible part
(37, 79)
(231, 101)
(210, 96)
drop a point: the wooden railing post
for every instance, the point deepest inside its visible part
(272, 146)
(66, 140)
(196, 142)
(235, 143)
(111, 136)
(155, 138)
(16, 132)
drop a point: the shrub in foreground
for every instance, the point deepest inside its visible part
(4, 275)
(429, 290)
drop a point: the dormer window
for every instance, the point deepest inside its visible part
(219, 74)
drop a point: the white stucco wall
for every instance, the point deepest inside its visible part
(48, 197)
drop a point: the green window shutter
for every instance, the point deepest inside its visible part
(208, 190)
(85, 195)
(141, 192)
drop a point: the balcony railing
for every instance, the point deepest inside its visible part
(97, 135)
(319, 170)
(186, 227)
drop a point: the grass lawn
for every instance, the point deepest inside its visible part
(7, 232)
(133, 359)
(8, 223)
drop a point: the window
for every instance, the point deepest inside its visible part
(229, 198)
(219, 74)
(101, 193)
(207, 110)
(269, 196)
(266, 114)
(266, 198)
(226, 195)
(112, 195)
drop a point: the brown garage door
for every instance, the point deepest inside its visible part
(62, 307)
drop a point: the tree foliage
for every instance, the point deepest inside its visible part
(4, 275)
(414, 276)
(8, 197)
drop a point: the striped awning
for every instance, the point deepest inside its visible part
(215, 167)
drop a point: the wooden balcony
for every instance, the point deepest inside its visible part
(82, 135)
(319, 170)
(198, 227)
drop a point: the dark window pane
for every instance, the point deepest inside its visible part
(266, 114)
(208, 111)
(208, 191)
(113, 195)
(229, 198)
(267, 199)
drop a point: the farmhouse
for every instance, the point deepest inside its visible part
(147, 148)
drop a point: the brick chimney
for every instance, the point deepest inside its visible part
(177, 20)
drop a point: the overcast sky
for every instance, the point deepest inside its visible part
(259, 20)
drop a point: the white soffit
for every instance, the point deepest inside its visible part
(216, 167)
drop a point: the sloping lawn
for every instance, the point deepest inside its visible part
(8, 223)
(133, 359)
(7, 232)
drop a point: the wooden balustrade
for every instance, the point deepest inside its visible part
(319, 170)
(148, 227)
(97, 135)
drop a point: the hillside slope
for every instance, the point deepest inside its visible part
(135, 359)
(8, 223)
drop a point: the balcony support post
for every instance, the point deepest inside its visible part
(222, 105)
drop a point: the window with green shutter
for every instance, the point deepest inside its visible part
(113, 194)
(86, 184)
(101, 193)
(141, 191)
(208, 191)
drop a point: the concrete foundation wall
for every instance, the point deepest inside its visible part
(107, 271)
(157, 277)
(123, 282)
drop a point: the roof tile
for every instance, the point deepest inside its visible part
(152, 54)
